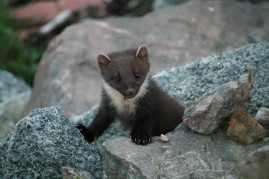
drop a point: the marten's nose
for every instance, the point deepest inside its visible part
(130, 91)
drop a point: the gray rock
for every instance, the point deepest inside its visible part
(70, 173)
(190, 82)
(10, 112)
(256, 164)
(14, 94)
(42, 143)
(262, 117)
(186, 155)
(214, 108)
(188, 162)
(137, 165)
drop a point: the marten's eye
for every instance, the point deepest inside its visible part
(136, 75)
(117, 79)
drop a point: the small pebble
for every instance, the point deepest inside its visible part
(164, 138)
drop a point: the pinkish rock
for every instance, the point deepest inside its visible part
(212, 110)
(68, 74)
(45, 11)
(39, 11)
(75, 5)
(244, 128)
(164, 138)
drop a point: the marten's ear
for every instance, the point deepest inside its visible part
(142, 53)
(103, 59)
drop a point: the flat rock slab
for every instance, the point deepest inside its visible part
(187, 154)
(68, 77)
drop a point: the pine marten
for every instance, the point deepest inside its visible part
(130, 94)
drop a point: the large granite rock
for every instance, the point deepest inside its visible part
(14, 94)
(68, 75)
(193, 81)
(44, 142)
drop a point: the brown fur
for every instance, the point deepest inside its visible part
(134, 97)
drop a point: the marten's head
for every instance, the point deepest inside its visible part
(125, 71)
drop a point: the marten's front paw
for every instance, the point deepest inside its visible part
(140, 136)
(85, 132)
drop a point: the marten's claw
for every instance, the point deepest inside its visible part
(85, 132)
(140, 137)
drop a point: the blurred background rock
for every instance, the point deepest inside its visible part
(27, 26)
